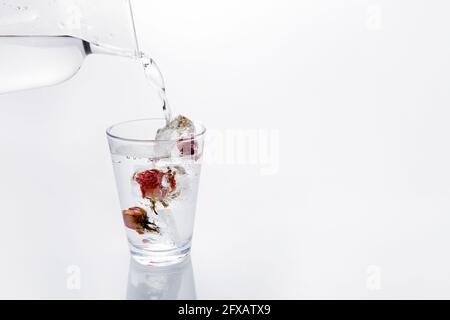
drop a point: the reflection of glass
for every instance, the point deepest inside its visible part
(157, 182)
(44, 42)
(161, 283)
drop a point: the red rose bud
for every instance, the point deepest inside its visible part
(155, 184)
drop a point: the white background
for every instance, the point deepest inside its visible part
(356, 95)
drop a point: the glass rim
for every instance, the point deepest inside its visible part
(111, 135)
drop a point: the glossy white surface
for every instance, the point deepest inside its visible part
(356, 96)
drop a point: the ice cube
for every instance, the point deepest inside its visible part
(169, 231)
(172, 135)
(177, 129)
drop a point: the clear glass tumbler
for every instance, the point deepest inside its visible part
(157, 182)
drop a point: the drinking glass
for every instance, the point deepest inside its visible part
(157, 183)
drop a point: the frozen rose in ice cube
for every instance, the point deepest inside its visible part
(179, 128)
(180, 132)
(156, 185)
(136, 219)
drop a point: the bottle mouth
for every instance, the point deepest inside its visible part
(144, 130)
